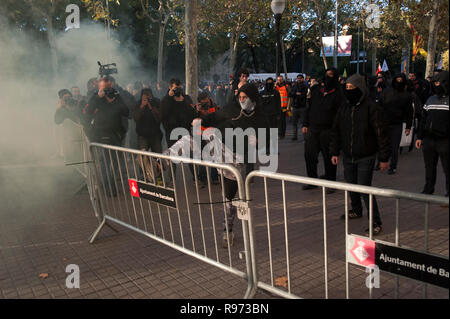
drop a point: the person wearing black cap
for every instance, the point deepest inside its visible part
(244, 114)
(360, 131)
(433, 132)
(324, 103)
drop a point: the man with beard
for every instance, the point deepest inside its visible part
(398, 109)
(360, 132)
(284, 91)
(298, 93)
(244, 114)
(433, 133)
(319, 116)
(271, 106)
(177, 110)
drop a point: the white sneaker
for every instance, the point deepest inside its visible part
(225, 239)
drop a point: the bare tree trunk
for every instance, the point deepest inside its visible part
(191, 48)
(162, 31)
(234, 39)
(325, 63)
(255, 59)
(432, 39)
(374, 58)
(52, 43)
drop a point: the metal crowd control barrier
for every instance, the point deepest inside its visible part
(268, 258)
(142, 192)
(74, 147)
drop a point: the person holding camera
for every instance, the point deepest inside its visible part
(177, 110)
(67, 108)
(108, 111)
(148, 121)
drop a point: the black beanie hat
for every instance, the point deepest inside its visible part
(250, 90)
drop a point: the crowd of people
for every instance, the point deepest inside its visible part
(363, 118)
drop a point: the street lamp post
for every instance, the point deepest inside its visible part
(277, 9)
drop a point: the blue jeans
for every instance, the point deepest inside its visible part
(361, 172)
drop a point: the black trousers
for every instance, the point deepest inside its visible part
(361, 173)
(433, 149)
(396, 137)
(318, 141)
(282, 125)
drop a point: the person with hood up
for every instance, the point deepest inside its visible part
(324, 103)
(360, 131)
(271, 105)
(433, 132)
(244, 114)
(398, 108)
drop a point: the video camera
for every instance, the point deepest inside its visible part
(106, 69)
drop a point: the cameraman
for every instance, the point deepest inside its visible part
(67, 108)
(177, 110)
(107, 109)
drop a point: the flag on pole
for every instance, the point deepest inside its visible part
(379, 68)
(385, 67)
(344, 75)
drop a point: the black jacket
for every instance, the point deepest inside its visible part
(271, 102)
(176, 114)
(397, 105)
(299, 100)
(434, 121)
(360, 130)
(148, 121)
(107, 119)
(232, 116)
(323, 107)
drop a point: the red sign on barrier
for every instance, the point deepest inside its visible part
(361, 251)
(134, 189)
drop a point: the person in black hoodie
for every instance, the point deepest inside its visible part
(360, 131)
(271, 106)
(247, 113)
(433, 132)
(324, 103)
(398, 109)
(148, 120)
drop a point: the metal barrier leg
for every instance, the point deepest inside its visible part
(97, 231)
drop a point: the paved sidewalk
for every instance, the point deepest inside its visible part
(44, 227)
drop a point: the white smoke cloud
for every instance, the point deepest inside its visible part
(28, 96)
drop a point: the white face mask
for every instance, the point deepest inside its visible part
(247, 105)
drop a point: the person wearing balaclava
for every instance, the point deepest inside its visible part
(271, 106)
(244, 112)
(323, 105)
(360, 132)
(433, 132)
(398, 108)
